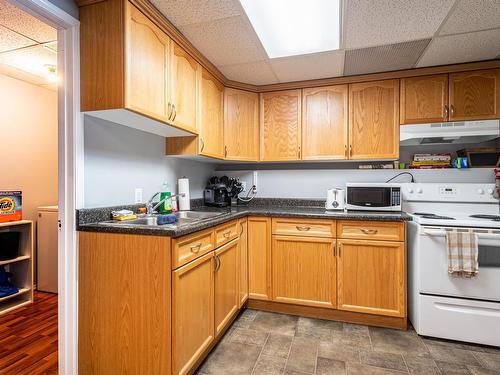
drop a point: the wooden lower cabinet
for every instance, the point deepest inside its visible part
(303, 271)
(243, 262)
(192, 312)
(226, 284)
(372, 277)
(259, 258)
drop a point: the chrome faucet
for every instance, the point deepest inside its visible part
(151, 207)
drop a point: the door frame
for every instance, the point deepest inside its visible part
(70, 171)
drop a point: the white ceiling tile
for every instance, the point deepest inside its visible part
(24, 23)
(311, 66)
(452, 49)
(472, 15)
(10, 40)
(257, 73)
(187, 12)
(31, 60)
(384, 58)
(369, 23)
(227, 41)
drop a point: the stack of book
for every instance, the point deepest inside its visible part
(431, 161)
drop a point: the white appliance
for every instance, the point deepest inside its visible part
(449, 132)
(335, 199)
(442, 305)
(373, 196)
(47, 232)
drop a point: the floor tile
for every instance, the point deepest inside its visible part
(326, 366)
(452, 344)
(303, 355)
(232, 358)
(272, 322)
(385, 360)
(353, 335)
(483, 371)
(488, 360)
(396, 341)
(269, 366)
(341, 353)
(360, 369)
(318, 328)
(248, 336)
(419, 365)
(453, 355)
(277, 345)
(448, 368)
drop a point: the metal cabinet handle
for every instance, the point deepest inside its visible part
(202, 144)
(350, 150)
(241, 233)
(227, 234)
(225, 151)
(452, 110)
(340, 249)
(302, 228)
(445, 114)
(217, 263)
(169, 110)
(195, 248)
(335, 249)
(299, 153)
(345, 150)
(174, 110)
(369, 231)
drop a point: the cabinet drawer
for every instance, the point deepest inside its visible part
(191, 246)
(304, 227)
(226, 232)
(371, 230)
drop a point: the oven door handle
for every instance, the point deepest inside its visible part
(442, 233)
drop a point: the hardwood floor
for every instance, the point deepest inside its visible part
(28, 338)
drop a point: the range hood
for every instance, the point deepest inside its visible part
(449, 133)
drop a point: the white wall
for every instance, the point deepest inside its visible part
(28, 152)
(313, 183)
(119, 159)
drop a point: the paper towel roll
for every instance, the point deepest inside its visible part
(183, 188)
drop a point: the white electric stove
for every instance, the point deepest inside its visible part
(442, 305)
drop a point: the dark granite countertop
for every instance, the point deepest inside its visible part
(92, 220)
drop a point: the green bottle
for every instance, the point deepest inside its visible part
(165, 207)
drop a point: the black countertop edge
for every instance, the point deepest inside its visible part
(239, 212)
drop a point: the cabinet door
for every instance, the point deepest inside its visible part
(374, 120)
(147, 65)
(304, 271)
(183, 93)
(324, 123)
(211, 129)
(372, 277)
(226, 284)
(243, 262)
(424, 99)
(241, 125)
(259, 258)
(475, 95)
(280, 114)
(192, 312)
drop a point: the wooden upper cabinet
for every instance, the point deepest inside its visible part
(374, 120)
(372, 277)
(280, 118)
(303, 271)
(183, 93)
(424, 99)
(147, 65)
(241, 125)
(475, 95)
(211, 126)
(324, 123)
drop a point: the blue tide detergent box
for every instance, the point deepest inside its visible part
(11, 208)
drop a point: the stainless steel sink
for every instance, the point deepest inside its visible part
(183, 217)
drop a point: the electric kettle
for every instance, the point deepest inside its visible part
(335, 199)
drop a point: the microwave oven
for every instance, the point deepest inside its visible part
(373, 196)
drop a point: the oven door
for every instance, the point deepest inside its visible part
(369, 198)
(433, 265)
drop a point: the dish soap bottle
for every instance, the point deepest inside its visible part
(165, 207)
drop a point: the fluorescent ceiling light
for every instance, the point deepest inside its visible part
(295, 27)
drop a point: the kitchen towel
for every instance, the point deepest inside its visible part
(185, 200)
(462, 253)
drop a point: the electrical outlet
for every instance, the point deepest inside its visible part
(138, 195)
(244, 186)
(255, 181)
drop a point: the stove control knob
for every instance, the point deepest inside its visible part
(480, 191)
(420, 191)
(490, 191)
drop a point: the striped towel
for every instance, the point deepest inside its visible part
(462, 253)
